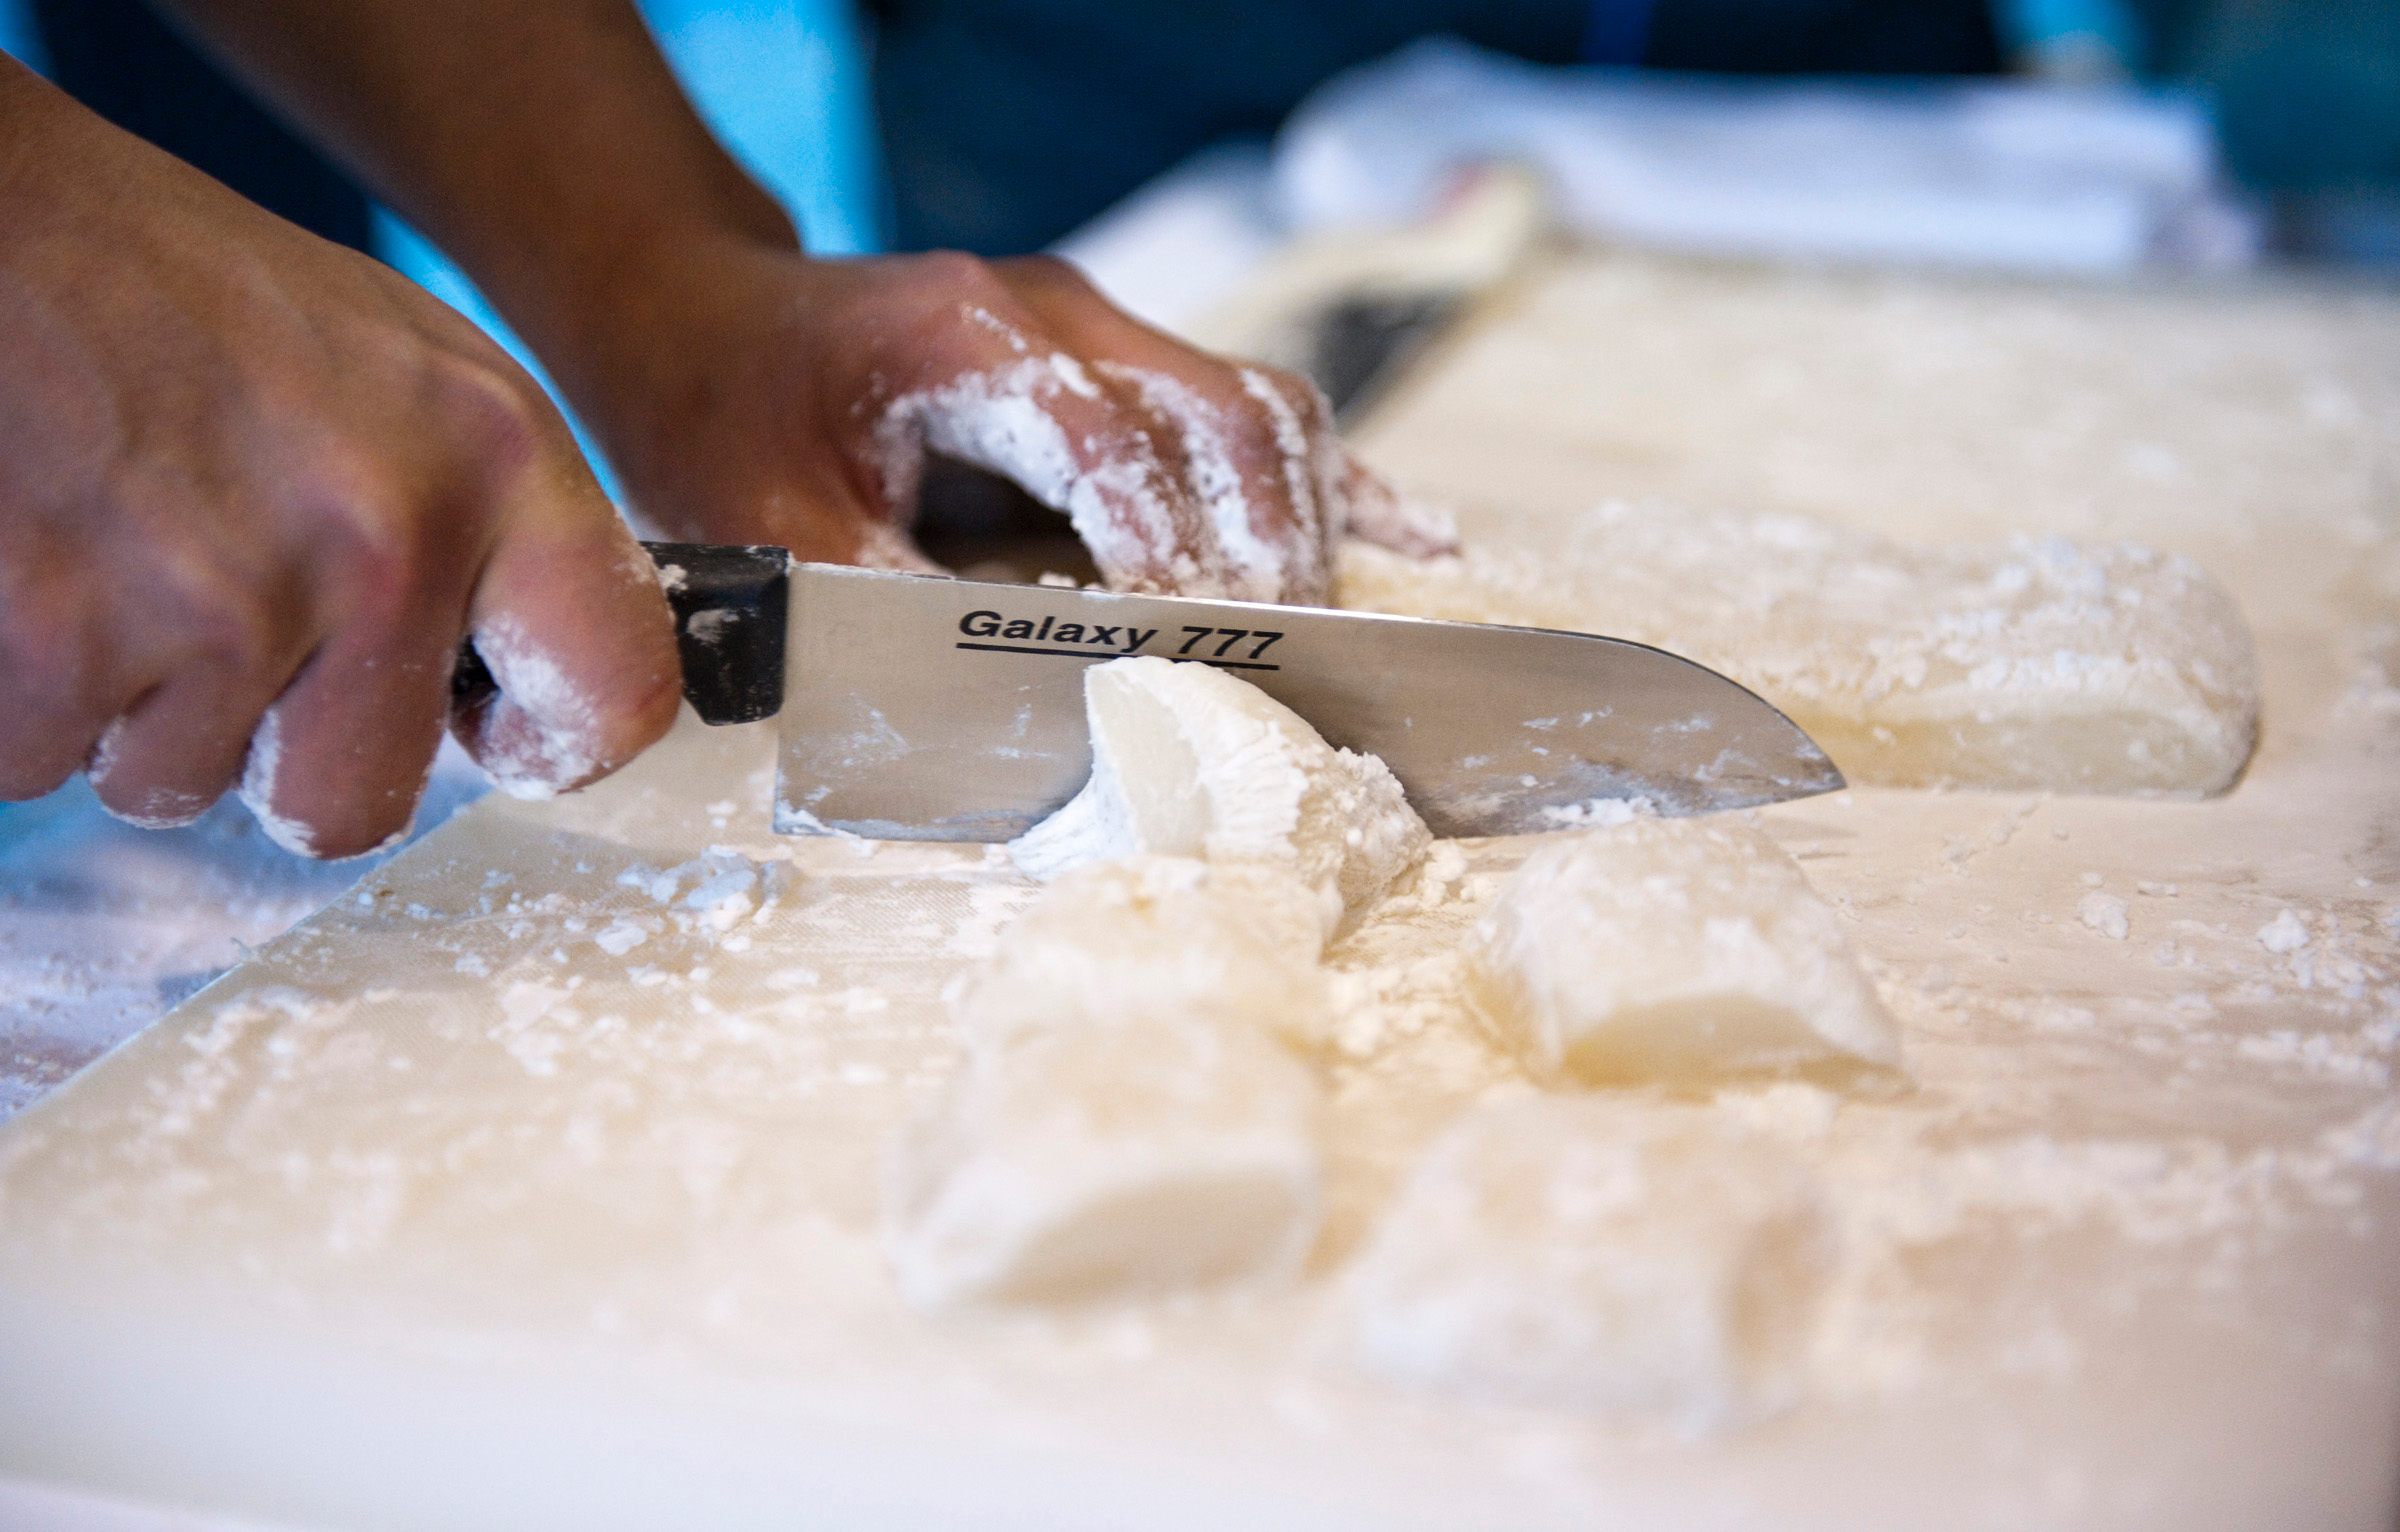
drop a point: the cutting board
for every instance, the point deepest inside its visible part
(536, 1183)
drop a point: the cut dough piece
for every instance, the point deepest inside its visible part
(1188, 761)
(1591, 1254)
(1084, 1163)
(1672, 950)
(2039, 664)
(1155, 939)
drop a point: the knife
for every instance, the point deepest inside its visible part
(916, 707)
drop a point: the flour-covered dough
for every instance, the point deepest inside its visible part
(2039, 664)
(1188, 761)
(1593, 1254)
(1154, 939)
(1081, 1163)
(1672, 950)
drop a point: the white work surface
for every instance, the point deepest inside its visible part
(582, 1235)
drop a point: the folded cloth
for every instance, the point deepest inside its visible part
(2008, 175)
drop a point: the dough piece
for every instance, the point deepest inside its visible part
(1672, 950)
(1188, 761)
(1081, 1163)
(1590, 1254)
(1155, 939)
(2037, 665)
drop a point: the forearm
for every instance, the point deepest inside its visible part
(543, 143)
(34, 114)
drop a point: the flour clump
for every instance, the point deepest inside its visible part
(1188, 761)
(2038, 663)
(1153, 939)
(1084, 1163)
(1677, 951)
(1598, 1255)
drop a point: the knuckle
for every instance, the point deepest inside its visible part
(235, 630)
(955, 272)
(1261, 431)
(486, 409)
(54, 662)
(1053, 273)
(348, 489)
(373, 565)
(1301, 394)
(964, 307)
(393, 583)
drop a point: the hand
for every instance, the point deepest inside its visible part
(752, 394)
(253, 490)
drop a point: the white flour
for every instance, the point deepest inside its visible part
(162, 809)
(1173, 514)
(2138, 1187)
(260, 771)
(542, 735)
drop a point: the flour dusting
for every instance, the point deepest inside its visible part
(261, 769)
(541, 736)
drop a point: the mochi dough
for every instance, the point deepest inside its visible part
(1154, 939)
(2035, 664)
(1080, 1163)
(1674, 951)
(1188, 761)
(1596, 1254)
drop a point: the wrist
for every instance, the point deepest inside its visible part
(674, 332)
(600, 277)
(33, 112)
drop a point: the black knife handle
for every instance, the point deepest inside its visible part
(729, 604)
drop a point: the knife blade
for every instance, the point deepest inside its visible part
(925, 708)
(916, 707)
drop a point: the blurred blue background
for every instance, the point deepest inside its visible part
(1007, 126)
(783, 83)
(781, 80)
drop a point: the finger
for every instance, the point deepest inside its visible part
(339, 760)
(1252, 441)
(1245, 470)
(65, 675)
(182, 747)
(1361, 502)
(1350, 497)
(1005, 398)
(1379, 514)
(569, 619)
